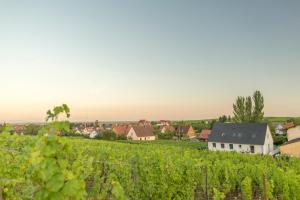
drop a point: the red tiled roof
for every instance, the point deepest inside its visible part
(183, 129)
(121, 129)
(205, 134)
(287, 126)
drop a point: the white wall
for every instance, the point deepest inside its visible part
(269, 143)
(245, 148)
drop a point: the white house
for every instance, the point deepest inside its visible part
(293, 133)
(279, 130)
(244, 137)
(141, 133)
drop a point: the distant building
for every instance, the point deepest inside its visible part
(291, 148)
(107, 126)
(185, 131)
(244, 137)
(293, 133)
(204, 134)
(165, 129)
(281, 129)
(144, 122)
(164, 123)
(120, 130)
(19, 129)
(141, 133)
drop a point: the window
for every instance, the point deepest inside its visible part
(231, 146)
(214, 145)
(252, 149)
(222, 146)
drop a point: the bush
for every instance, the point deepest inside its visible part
(108, 135)
(166, 136)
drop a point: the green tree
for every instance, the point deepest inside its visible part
(247, 109)
(31, 129)
(239, 109)
(109, 135)
(258, 114)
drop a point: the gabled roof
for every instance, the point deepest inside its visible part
(205, 134)
(289, 125)
(243, 133)
(183, 129)
(121, 129)
(168, 128)
(143, 131)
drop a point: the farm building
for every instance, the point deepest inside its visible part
(291, 148)
(166, 129)
(141, 133)
(245, 137)
(204, 134)
(185, 131)
(120, 130)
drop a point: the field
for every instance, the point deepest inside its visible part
(187, 144)
(162, 170)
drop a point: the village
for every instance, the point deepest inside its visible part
(256, 138)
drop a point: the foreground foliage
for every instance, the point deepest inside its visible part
(112, 170)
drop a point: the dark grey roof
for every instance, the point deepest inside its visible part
(239, 133)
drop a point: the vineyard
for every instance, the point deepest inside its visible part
(108, 170)
(49, 166)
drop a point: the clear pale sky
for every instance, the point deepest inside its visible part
(126, 60)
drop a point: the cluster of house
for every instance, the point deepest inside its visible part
(142, 130)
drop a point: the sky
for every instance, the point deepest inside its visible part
(136, 59)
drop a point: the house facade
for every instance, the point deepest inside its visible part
(166, 129)
(281, 129)
(291, 148)
(185, 131)
(141, 133)
(245, 138)
(293, 133)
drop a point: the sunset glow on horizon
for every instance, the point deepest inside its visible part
(132, 60)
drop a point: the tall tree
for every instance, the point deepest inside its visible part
(258, 114)
(247, 109)
(239, 109)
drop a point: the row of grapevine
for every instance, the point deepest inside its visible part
(112, 170)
